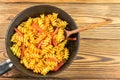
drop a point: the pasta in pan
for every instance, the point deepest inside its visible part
(40, 43)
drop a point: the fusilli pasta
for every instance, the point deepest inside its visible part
(40, 43)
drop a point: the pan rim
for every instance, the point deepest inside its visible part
(21, 64)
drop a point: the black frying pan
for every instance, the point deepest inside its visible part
(35, 11)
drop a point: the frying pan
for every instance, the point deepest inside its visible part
(35, 11)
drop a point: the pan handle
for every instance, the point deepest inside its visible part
(5, 66)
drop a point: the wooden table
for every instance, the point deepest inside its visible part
(99, 54)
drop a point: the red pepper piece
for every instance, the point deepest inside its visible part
(37, 28)
(19, 33)
(53, 36)
(55, 32)
(59, 65)
(51, 59)
(39, 45)
(54, 42)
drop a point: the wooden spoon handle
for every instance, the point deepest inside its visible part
(90, 26)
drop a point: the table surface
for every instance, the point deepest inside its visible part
(99, 55)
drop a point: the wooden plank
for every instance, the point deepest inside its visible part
(83, 14)
(19, 79)
(95, 59)
(98, 56)
(65, 1)
(49, 79)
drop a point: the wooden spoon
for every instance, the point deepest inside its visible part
(68, 33)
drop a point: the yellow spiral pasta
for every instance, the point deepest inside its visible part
(40, 43)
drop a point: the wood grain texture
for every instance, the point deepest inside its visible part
(81, 13)
(99, 55)
(65, 1)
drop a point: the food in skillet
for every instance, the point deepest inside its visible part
(40, 43)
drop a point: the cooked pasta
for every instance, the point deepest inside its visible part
(40, 43)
